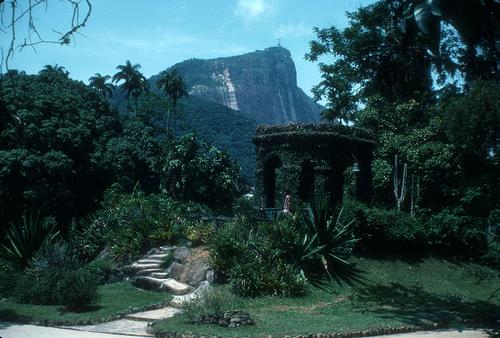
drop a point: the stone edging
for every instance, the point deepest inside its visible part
(353, 334)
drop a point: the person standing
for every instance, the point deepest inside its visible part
(287, 204)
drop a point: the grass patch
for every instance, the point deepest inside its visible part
(398, 294)
(115, 300)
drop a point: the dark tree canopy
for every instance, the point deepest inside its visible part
(61, 146)
(48, 146)
(476, 23)
(368, 59)
(194, 171)
(381, 78)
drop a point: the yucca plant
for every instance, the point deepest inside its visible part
(24, 238)
(88, 236)
(325, 245)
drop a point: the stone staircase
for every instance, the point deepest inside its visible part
(181, 271)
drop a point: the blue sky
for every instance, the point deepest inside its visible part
(160, 33)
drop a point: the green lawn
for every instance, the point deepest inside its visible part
(116, 299)
(397, 294)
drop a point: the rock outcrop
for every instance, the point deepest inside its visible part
(184, 272)
(262, 84)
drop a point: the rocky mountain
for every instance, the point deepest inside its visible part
(230, 96)
(262, 85)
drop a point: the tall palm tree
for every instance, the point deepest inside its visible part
(173, 86)
(53, 69)
(134, 82)
(100, 83)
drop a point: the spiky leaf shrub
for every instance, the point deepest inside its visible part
(257, 276)
(55, 276)
(89, 238)
(279, 257)
(327, 241)
(254, 258)
(24, 238)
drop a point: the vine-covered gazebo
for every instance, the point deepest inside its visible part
(310, 160)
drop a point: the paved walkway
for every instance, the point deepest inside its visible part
(133, 325)
(441, 334)
(8, 330)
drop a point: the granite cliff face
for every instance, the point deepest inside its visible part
(262, 85)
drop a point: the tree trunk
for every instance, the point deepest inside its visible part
(399, 185)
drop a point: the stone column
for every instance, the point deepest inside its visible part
(322, 180)
(259, 179)
(259, 187)
(364, 177)
(336, 182)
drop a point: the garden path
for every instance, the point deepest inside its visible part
(441, 334)
(8, 330)
(135, 324)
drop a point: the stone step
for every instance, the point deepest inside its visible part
(149, 261)
(149, 283)
(159, 274)
(148, 316)
(158, 256)
(179, 300)
(161, 284)
(136, 267)
(149, 272)
(175, 287)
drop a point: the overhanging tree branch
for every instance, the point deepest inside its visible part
(81, 10)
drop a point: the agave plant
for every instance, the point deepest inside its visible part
(89, 238)
(24, 238)
(326, 243)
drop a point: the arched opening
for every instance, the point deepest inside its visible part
(270, 167)
(306, 183)
(335, 183)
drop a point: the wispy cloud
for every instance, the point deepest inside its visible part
(161, 40)
(292, 30)
(153, 40)
(251, 10)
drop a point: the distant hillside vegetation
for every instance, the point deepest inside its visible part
(222, 127)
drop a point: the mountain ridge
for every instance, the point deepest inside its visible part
(261, 84)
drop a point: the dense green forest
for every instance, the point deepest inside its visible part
(62, 146)
(214, 123)
(223, 127)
